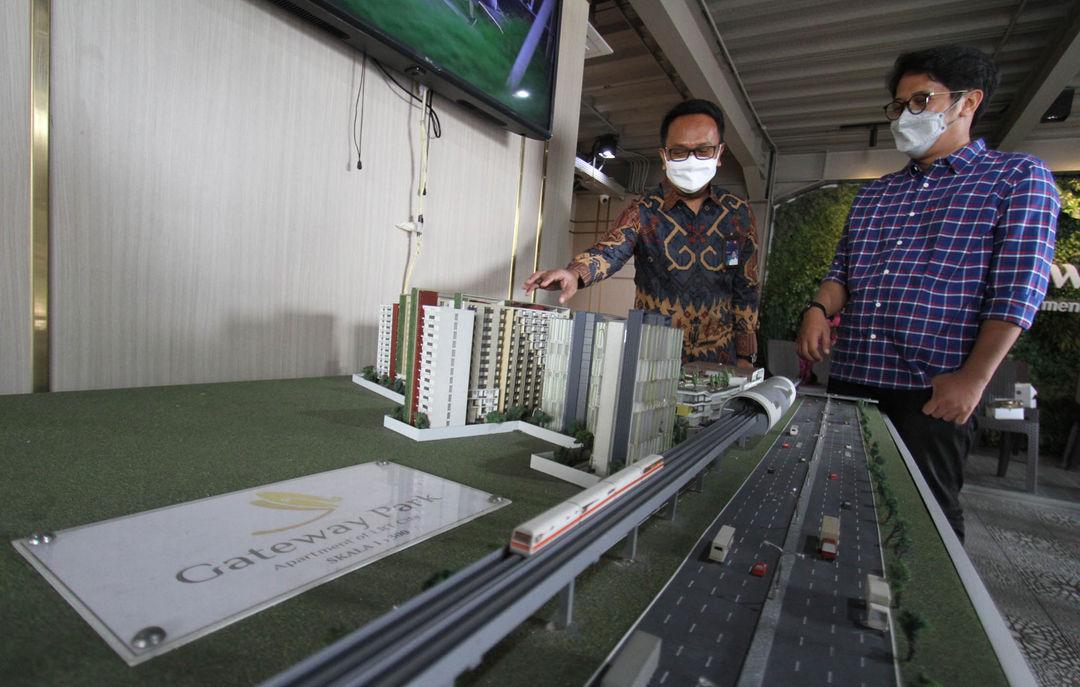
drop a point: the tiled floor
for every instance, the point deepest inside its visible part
(1027, 551)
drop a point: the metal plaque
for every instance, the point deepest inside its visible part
(152, 581)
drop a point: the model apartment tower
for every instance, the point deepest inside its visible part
(618, 377)
(445, 356)
(463, 357)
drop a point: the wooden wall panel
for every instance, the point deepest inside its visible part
(15, 316)
(209, 222)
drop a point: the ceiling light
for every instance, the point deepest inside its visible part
(1061, 108)
(606, 145)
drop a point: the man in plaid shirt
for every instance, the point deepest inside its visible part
(939, 268)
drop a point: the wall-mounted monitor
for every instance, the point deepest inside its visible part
(497, 57)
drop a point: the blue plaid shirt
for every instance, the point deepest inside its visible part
(926, 255)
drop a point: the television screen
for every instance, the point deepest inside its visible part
(495, 56)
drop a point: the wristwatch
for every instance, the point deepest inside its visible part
(749, 357)
(815, 304)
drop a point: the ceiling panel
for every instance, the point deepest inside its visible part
(813, 70)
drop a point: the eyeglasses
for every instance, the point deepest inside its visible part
(679, 153)
(916, 104)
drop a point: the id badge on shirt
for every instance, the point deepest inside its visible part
(731, 253)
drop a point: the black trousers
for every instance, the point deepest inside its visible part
(939, 448)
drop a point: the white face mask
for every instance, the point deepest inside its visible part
(690, 175)
(917, 133)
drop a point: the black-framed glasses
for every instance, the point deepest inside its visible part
(679, 153)
(916, 104)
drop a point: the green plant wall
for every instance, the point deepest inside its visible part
(1051, 348)
(806, 230)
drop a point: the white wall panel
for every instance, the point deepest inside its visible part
(209, 223)
(556, 245)
(15, 251)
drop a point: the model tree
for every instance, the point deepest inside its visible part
(892, 505)
(903, 542)
(913, 624)
(899, 576)
(900, 529)
(539, 417)
(678, 433)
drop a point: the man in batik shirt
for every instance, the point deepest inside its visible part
(694, 246)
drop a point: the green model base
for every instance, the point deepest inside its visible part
(74, 458)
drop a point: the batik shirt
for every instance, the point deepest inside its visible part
(927, 255)
(701, 270)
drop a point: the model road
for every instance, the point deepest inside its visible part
(820, 638)
(708, 615)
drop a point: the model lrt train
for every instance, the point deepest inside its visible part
(534, 535)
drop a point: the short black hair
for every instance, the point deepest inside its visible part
(691, 107)
(960, 67)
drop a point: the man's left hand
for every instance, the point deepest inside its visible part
(954, 398)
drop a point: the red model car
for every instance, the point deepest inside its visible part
(759, 569)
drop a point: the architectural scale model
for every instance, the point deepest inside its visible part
(463, 358)
(775, 607)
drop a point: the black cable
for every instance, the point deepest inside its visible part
(433, 118)
(359, 111)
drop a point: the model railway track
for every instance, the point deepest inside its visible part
(446, 630)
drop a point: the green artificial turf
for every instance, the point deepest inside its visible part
(954, 649)
(69, 459)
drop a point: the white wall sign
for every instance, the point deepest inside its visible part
(152, 581)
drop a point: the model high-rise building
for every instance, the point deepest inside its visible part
(496, 366)
(463, 357)
(445, 356)
(486, 373)
(618, 377)
(568, 361)
(386, 355)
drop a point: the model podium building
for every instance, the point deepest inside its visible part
(463, 357)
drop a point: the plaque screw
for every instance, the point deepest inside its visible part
(495, 498)
(38, 538)
(148, 637)
(382, 463)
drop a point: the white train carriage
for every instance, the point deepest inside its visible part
(535, 534)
